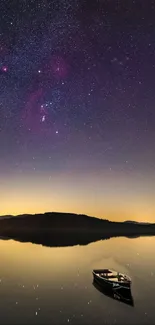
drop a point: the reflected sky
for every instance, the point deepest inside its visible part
(36, 280)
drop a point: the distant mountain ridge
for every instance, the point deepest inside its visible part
(52, 221)
(69, 217)
(64, 220)
(137, 222)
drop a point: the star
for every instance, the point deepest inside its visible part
(4, 68)
(43, 118)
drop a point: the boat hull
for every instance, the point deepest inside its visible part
(120, 295)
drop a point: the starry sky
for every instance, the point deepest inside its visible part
(77, 107)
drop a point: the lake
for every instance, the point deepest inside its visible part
(43, 285)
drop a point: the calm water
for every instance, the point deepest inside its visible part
(40, 285)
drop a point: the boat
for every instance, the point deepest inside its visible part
(121, 296)
(112, 278)
(113, 282)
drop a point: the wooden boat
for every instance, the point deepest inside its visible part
(113, 279)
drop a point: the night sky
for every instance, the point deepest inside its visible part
(77, 107)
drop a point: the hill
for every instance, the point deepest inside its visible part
(63, 229)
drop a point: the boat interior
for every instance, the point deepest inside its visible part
(112, 276)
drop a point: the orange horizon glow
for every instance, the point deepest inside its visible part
(107, 195)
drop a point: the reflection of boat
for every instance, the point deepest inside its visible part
(125, 297)
(115, 284)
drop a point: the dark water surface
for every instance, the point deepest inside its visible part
(40, 285)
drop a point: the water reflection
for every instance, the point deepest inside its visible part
(59, 239)
(41, 285)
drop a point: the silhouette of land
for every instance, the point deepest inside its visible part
(66, 229)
